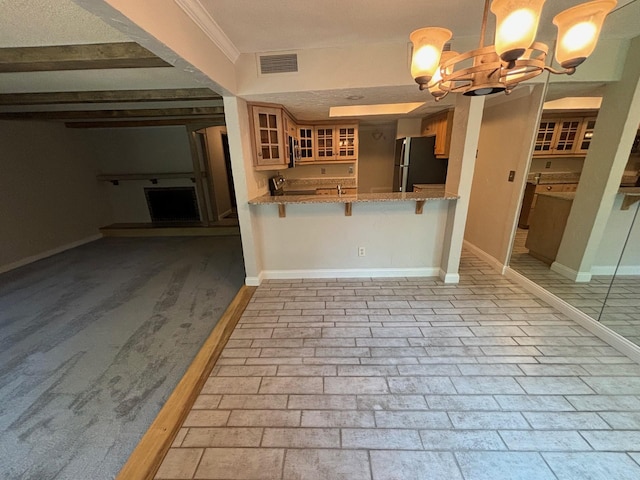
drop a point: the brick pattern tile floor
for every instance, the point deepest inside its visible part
(403, 379)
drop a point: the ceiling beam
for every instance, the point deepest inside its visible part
(114, 114)
(195, 123)
(108, 96)
(78, 57)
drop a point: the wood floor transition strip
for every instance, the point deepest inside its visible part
(149, 453)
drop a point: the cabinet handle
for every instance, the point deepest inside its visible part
(548, 188)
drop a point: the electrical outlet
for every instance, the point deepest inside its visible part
(361, 252)
(350, 169)
(547, 165)
(323, 171)
(512, 175)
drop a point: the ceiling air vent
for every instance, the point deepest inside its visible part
(282, 63)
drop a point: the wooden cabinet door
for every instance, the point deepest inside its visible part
(305, 137)
(566, 139)
(268, 136)
(545, 137)
(586, 132)
(324, 143)
(439, 125)
(346, 142)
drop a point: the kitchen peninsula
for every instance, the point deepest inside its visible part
(433, 193)
(384, 234)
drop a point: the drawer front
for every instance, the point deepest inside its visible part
(556, 187)
(570, 187)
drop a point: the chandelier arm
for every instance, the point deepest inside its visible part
(483, 29)
(566, 71)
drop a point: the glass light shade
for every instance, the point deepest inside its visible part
(578, 31)
(427, 48)
(436, 81)
(516, 26)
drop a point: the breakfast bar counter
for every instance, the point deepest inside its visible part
(436, 193)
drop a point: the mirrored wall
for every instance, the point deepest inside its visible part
(612, 294)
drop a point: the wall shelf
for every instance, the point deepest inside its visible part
(116, 178)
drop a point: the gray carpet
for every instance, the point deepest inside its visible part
(93, 341)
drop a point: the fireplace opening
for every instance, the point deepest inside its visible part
(174, 204)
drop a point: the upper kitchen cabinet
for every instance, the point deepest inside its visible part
(335, 143)
(564, 136)
(276, 133)
(584, 140)
(306, 143)
(440, 126)
(269, 137)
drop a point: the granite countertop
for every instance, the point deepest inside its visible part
(432, 194)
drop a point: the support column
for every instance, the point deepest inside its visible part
(238, 133)
(616, 126)
(467, 120)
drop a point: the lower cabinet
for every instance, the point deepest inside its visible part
(547, 226)
(531, 196)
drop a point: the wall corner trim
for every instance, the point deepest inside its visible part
(570, 273)
(201, 17)
(449, 278)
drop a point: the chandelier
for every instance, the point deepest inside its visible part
(515, 56)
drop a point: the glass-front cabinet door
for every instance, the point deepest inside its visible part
(544, 139)
(325, 149)
(567, 138)
(347, 142)
(268, 136)
(588, 126)
(305, 135)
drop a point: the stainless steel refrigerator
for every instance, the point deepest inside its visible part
(415, 163)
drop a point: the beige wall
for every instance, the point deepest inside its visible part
(504, 145)
(49, 196)
(376, 158)
(138, 150)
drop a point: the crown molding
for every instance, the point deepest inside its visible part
(199, 14)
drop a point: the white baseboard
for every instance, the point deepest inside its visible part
(571, 274)
(492, 261)
(347, 273)
(598, 329)
(254, 281)
(611, 269)
(48, 253)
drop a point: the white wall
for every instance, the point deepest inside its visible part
(49, 196)
(505, 144)
(376, 158)
(318, 239)
(139, 150)
(610, 250)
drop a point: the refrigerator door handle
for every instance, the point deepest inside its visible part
(403, 178)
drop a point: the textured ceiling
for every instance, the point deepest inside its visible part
(30, 23)
(267, 25)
